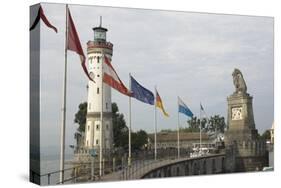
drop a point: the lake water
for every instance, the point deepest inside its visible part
(51, 164)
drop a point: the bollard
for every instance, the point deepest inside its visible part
(49, 175)
(122, 163)
(103, 166)
(126, 172)
(75, 175)
(93, 169)
(113, 164)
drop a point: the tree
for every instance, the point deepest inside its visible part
(80, 117)
(139, 139)
(194, 124)
(266, 135)
(120, 130)
(216, 124)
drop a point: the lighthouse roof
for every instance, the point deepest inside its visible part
(99, 28)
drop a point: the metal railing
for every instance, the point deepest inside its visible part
(53, 177)
(142, 161)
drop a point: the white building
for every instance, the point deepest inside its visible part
(95, 131)
(272, 134)
(170, 140)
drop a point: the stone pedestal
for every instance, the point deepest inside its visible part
(242, 136)
(240, 119)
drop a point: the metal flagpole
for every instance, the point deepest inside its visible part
(101, 117)
(155, 128)
(62, 146)
(178, 131)
(200, 128)
(130, 124)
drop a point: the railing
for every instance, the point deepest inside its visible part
(138, 169)
(53, 177)
(142, 161)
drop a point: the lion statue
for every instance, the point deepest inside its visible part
(239, 82)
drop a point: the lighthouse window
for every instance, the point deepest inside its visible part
(88, 127)
(91, 59)
(98, 59)
(106, 105)
(98, 90)
(98, 75)
(106, 126)
(97, 127)
(97, 141)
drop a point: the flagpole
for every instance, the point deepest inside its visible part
(178, 132)
(130, 124)
(200, 128)
(101, 117)
(155, 128)
(63, 109)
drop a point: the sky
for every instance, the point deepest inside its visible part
(186, 54)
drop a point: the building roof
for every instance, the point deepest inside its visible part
(172, 136)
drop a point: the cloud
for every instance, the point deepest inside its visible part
(191, 55)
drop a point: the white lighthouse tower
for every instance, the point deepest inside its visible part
(97, 133)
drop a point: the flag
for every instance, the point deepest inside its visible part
(111, 78)
(73, 43)
(141, 93)
(184, 109)
(201, 107)
(202, 110)
(41, 15)
(159, 104)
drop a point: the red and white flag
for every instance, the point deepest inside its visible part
(111, 78)
(41, 15)
(73, 43)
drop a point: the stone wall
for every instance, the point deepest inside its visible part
(194, 166)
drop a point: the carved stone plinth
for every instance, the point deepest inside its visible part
(240, 119)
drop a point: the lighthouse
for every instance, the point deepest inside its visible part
(98, 128)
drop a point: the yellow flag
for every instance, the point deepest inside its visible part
(159, 104)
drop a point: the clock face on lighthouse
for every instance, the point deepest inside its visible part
(236, 113)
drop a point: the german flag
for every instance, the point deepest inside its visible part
(159, 104)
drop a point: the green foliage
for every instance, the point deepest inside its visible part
(80, 117)
(215, 123)
(120, 130)
(139, 139)
(266, 135)
(194, 124)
